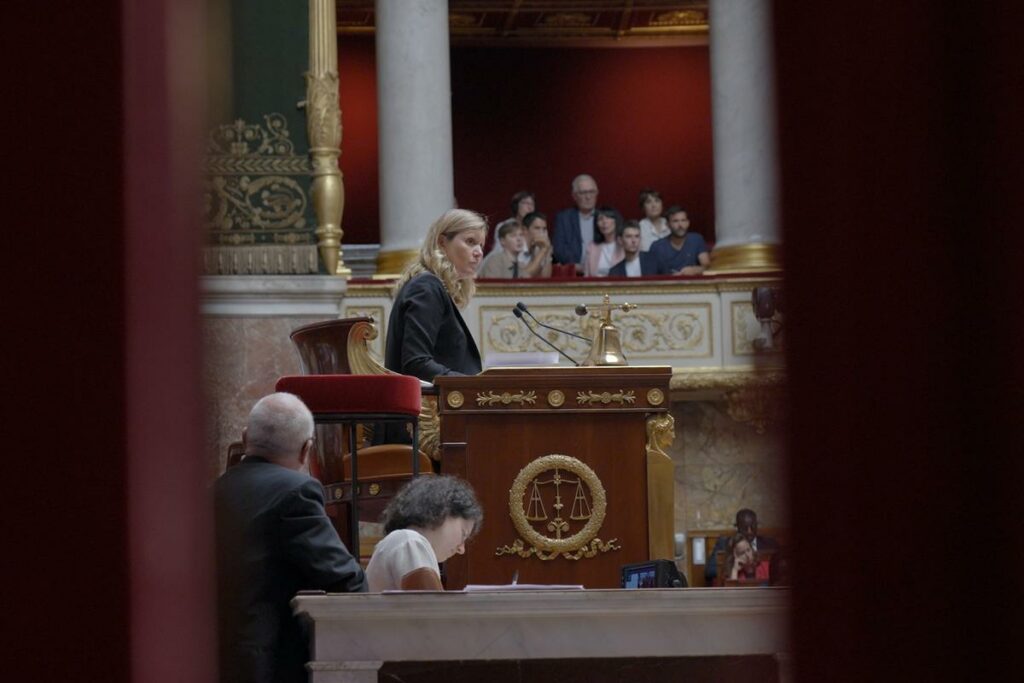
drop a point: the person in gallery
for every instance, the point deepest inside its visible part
(574, 227)
(430, 520)
(682, 252)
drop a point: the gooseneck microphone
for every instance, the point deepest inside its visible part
(522, 307)
(519, 314)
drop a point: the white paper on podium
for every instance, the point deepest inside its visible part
(520, 359)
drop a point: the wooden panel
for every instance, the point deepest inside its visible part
(489, 443)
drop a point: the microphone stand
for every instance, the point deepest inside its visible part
(519, 314)
(522, 307)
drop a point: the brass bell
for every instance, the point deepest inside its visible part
(606, 347)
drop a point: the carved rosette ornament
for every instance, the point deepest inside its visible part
(557, 504)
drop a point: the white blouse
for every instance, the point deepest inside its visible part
(652, 232)
(399, 553)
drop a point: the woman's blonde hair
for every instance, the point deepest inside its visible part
(432, 258)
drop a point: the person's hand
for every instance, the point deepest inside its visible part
(690, 270)
(542, 240)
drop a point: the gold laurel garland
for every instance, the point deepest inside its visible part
(588, 550)
(542, 545)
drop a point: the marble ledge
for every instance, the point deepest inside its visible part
(233, 296)
(547, 624)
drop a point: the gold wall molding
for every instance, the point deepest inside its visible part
(323, 124)
(660, 485)
(556, 471)
(740, 258)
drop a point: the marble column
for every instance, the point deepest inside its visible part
(743, 118)
(415, 125)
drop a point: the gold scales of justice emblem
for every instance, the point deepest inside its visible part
(555, 478)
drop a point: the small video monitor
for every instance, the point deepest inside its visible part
(653, 574)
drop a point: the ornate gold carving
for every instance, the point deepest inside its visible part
(491, 398)
(655, 397)
(555, 398)
(589, 550)
(374, 489)
(456, 399)
(361, 360)
(660, 485)
(323, 124)
(574, 546)
(622, 397)
(265, 203)
(758, 406)
(251, 197)
(430, 428)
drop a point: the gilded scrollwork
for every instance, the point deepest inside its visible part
(622, 397)
(545, 478)
(655, 331)
(251, 195)
(491, 398)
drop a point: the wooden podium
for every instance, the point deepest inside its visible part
(571, 469)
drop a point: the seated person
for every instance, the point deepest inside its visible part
(653, 225)
(429, 520)
(744, 565)
(682, 252)
(523, 202)
(746, 524)
(274, 538)
(605, 251)
(504, 262)
(636, 263)
(538, 246)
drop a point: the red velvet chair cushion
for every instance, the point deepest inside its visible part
(355, 394)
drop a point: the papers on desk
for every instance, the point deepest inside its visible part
(480, 588)
(494, 359)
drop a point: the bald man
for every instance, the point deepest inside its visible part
(273, 539)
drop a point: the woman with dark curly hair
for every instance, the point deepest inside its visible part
(429, 520)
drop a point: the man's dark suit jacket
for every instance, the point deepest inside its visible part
(273, 539)
(648, 266)
(711, 569)
(427, 336)
(566, 243)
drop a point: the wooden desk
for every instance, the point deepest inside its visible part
(353, 634)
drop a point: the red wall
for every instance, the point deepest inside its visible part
(534, 118)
